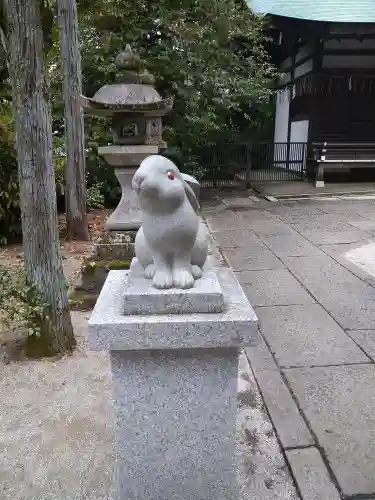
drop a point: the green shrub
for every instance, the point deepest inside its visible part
(95, 197)
(99, 173)
(21, 305)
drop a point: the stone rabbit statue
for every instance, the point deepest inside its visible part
(171, 244)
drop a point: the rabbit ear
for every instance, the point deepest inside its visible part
(191, 197)
(193, 183)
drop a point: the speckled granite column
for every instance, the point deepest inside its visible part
(175, 384)
(175, 424)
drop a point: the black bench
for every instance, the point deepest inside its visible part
(341, 156)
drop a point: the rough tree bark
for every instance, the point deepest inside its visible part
(33, 124)
(75, 178)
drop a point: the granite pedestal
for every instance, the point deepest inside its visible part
(175, 383)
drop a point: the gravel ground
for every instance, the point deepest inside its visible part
(56, 432)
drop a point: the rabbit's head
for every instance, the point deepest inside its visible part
(160, 185)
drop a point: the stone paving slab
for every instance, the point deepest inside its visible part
(362, 257)
(286, 419)
(364, 225)
(238, 202)
(336, 238)
(227, 221)
(365, 213)
(290, 245)
(339, 403)
(274, 287)
(252, 258)
(344, 213)
(305, 335)
(365, 339)
(270, 228)
(335, 249)
(294, 215)
(314, 339)
(324, 222)
(338, 253)
(311, 475)
(215, 209)
(294, 208)
(257, 214)
(347, 298)
(354, 209)
(236, 238)
(260, 357)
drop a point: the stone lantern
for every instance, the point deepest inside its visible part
(136, 110)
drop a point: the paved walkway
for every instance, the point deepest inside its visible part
(300, 188)
(316, 306)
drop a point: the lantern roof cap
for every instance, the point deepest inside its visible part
(133, 91)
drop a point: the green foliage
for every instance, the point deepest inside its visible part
(99, 173)
(10, 225)
(21, 305)
(95, 197)
(209, 54)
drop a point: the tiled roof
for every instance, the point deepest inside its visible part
(339, 11)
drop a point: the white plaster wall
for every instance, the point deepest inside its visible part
(345, 61)
(299, 131)
(281, 128)
(282, 117)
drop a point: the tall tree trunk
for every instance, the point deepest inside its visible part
(75, 178)
(43, 261)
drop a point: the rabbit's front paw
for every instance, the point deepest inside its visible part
(162, 280)
(150, 272)
(197, 272)
(182, 278)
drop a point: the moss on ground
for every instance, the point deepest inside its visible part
(80, 300)
(90, 264)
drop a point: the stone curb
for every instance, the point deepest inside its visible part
(284, 414)
(306, 196)
(311, 475)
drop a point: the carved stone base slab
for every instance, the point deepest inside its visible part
(141, 298)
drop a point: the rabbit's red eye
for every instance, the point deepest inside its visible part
(171, 176)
